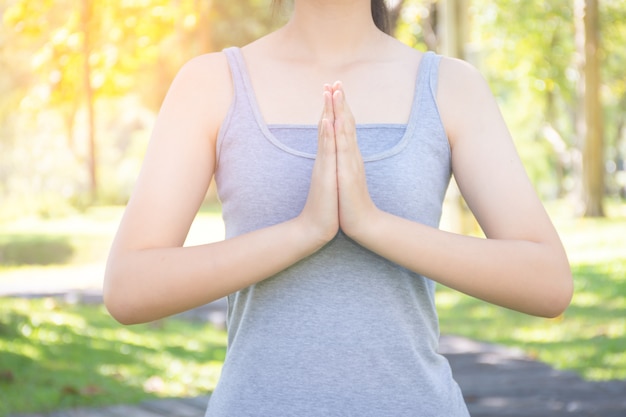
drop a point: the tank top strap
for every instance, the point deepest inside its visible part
(432, 70)
(425, 85)
(241, 108)
(237, 71)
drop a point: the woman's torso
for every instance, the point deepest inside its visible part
(344, 331)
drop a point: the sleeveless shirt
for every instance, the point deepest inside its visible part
(343, 332)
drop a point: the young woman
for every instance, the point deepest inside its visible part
(331, 221)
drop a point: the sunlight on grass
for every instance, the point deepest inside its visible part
(82, 239)
(54, 355)
(52, 255)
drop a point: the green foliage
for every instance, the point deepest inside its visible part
(119, 37)
(124, 40)
(132, 50)
(613, 57)
(56, 355)
(526, 50)
(414, 25)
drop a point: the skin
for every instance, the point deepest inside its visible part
(520, 265)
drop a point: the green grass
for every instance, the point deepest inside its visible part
(76, 239)
(55, 355)
(80, 239)
(590, 338)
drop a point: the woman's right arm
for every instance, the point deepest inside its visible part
(149, 273)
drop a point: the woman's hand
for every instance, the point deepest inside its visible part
(320, 213)
(356, 208)
(338, 196)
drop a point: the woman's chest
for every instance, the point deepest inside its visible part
(262, 183)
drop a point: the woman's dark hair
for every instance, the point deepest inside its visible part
(380, 13)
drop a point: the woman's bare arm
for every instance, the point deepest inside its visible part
(521, 265)
(149, 274)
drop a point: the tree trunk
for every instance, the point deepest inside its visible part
(89, 99)
(590, 127)
(452, 27)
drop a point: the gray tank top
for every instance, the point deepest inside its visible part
(343, 332)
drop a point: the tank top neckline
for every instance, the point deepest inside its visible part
(410, 126)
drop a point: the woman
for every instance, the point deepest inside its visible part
(331, 221)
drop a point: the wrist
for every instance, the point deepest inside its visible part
(367, 227)
(311, 234)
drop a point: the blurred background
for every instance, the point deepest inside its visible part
(81, 82)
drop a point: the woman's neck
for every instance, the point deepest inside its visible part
(334, 32)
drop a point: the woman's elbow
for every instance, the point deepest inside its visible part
(117, 299)
(559, 294)
(117, 307)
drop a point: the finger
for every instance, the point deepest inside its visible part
(329, 112)
(327, 139)
(327, 109)
(326, 131)
(327, 119)
(345, 131)
(338, 91)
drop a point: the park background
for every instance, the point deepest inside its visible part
(81, 82)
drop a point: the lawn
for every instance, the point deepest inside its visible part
(54, 354)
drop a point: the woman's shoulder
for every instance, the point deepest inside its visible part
(208, 73)
(460, 71)
(203, 87)
(461, 82)
(463, 94)
(211, 68)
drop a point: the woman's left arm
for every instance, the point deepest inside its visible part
(521, 264)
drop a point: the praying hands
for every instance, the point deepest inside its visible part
(338, 197)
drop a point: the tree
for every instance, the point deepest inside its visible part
(613, 31)
(85, 27)
(78, 62)
(452, 27)
(590, 126)
(83, 59)
(452, 36)
(528, 53)
(525, 50)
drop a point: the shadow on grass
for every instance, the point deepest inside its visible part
(589, 338)
(35, 250)
(58, 356)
